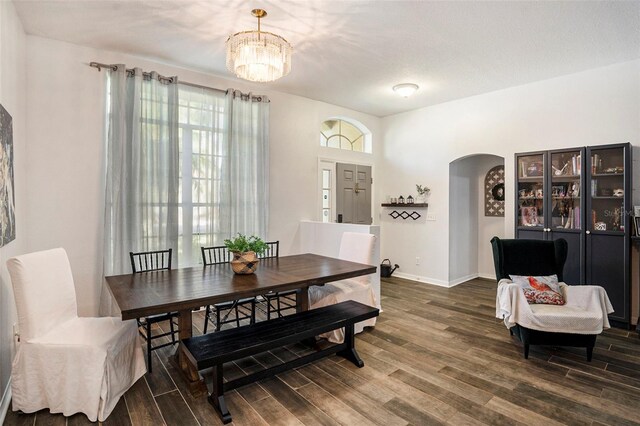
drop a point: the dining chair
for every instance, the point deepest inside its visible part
(355, 247)
(66, 363)
(281, 301)
(147, 262)
(243, 308)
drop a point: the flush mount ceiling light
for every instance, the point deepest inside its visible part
(405, 89)
(257, 55)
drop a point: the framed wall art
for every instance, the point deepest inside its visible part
(494, 192)
(7, 197)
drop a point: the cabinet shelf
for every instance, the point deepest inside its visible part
(531, 178)
(564, 178)
(595, 175)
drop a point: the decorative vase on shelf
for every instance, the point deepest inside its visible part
(244, 263)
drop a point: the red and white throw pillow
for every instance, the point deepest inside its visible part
(540, 289)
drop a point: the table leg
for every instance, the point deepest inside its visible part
(189, 371)
(302, 299)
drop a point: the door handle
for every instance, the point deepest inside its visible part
(588, 232)
(357, 188)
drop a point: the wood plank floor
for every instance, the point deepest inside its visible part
(436, 356)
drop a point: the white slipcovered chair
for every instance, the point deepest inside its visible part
(354, 247)
(66, 363)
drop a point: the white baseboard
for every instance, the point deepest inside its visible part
(5, 402)
(426, 280)
(461, 280)
(488, 276)
(442, 283)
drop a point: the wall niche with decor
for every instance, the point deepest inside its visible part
(584, 196)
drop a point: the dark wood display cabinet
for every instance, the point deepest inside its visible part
(584, 196)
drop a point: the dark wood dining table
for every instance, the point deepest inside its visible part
(185, 289)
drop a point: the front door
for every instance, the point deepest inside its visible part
(353, 194)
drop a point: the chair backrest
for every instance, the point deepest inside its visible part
(358, 247)
(44, 291)
(147, 261)
(215, 255)
(529, 257)
(273, 250)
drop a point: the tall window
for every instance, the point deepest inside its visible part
(342, 134)
(201, 138)
(186, 167)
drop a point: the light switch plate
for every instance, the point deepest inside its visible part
(431, 216)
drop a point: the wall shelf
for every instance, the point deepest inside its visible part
(404, 214)
(406, 205)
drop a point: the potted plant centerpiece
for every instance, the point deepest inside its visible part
(245, 253)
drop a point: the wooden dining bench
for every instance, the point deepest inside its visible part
(215, 349)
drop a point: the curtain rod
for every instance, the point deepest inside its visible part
(164, 79)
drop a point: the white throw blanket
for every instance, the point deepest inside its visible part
(585, 310)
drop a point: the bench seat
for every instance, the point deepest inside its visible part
(215, 349)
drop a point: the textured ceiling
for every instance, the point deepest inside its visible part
(351, 53)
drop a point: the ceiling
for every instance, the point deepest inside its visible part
(352, 52)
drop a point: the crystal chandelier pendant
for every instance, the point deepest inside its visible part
(257, 55)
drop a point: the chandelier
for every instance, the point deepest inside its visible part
(257, 55)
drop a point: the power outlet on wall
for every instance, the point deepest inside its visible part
(417, 261)
(431, 216)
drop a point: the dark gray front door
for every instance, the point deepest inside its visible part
(353, 193)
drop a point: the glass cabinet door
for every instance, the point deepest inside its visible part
(607, 190)
(565, 190)
(531, 190)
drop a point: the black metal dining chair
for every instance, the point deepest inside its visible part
(243, 308)
(279, 302)
(149, 261)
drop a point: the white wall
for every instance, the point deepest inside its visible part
(65, 203)
(12, 97)
(594, 107)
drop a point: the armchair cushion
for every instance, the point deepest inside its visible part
(585, 311)
(540, 289)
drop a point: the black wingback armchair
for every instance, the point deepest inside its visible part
(536, 257)
(529, 257)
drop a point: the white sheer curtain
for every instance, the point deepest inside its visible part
(248, 159)
(186, 167)
(141, 201)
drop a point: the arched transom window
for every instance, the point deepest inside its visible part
(337, 133)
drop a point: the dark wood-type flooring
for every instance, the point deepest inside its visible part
(437, 356)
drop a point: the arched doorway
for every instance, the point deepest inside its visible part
(472, 223)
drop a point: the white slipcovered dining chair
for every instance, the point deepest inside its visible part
(354, 247)
(63, 362)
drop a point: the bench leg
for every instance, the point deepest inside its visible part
(349, 352)
(216, 398)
